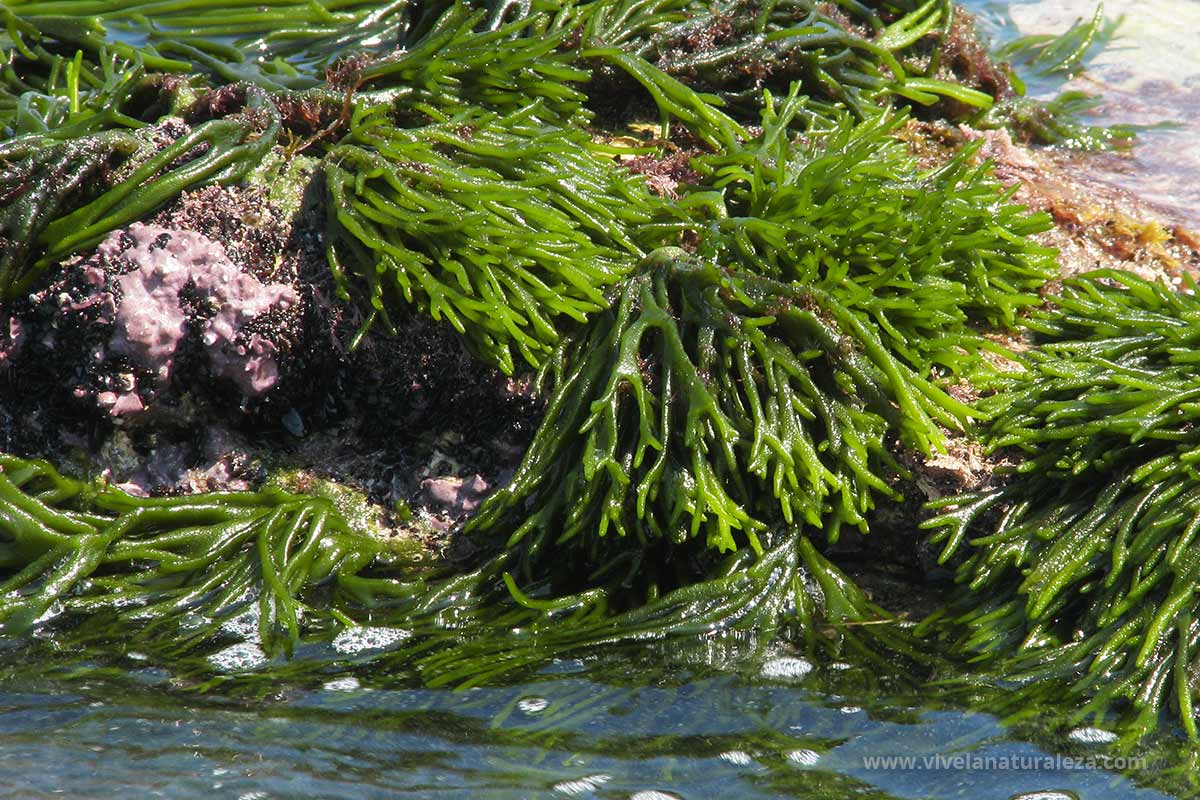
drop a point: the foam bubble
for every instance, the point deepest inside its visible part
(582, 786)
(360, 638)
(1092, 736)
(786, 667)
(244, 625)
(804, 758)
(533, 705)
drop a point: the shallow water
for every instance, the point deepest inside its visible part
(625, 723)
(1147, 76)
(617, 725)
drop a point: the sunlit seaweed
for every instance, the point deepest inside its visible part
(715, 416)
(75, 548)
(1082, 569)
(45, 177)
(913, 253)
(174, 574)
(848, 57)
(708, 408)
(440, 216)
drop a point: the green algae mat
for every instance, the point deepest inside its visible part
(751, 312)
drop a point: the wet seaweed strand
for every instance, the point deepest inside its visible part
(1082, 570)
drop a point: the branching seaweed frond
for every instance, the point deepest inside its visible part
(72, 548)
(183, 577)
(502, 225)
(1066, 53)
(278, 44)
(1083, 569)
(917, 254)
(854, 57)
(702, 410)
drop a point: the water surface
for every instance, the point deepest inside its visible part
(1148, 75)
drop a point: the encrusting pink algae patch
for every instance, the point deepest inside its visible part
(151, 320)
(150, 281)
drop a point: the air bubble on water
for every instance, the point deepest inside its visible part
(786, 667)
(361, 638)
(343, 685)
(581, 786)
(533, 705)
(1092, 736)
(240, 657)
(850, 709)
(804, 758)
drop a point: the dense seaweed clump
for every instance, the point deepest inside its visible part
(708, 408)
(743, 298)
(916, 254)
(1082, 569)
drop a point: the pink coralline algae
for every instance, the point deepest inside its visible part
(12, 334)
(456, 496)
(173, 272)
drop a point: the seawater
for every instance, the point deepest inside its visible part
(1148, 76)
(687, 722)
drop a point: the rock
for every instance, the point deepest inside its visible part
(455, 496)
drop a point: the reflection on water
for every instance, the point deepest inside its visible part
(1149, 74)
(617, 725)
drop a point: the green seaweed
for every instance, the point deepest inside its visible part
(440, 215)
(916, 254)
(716, 416)
(1082, 568)
(74, 548)
(855, 56)
(1066, 53)
(45, 178)
(179, 577)
(700, 412)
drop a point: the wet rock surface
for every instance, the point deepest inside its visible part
(204, 350)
